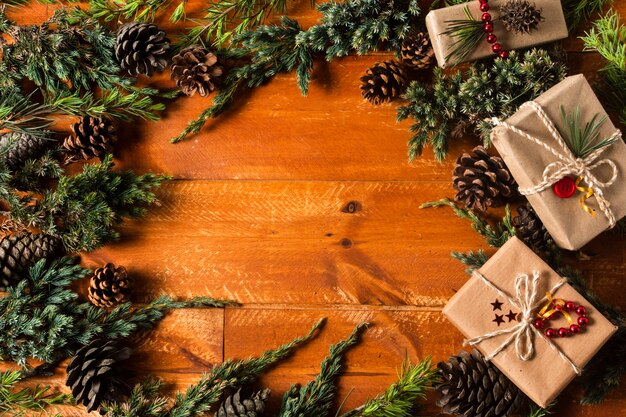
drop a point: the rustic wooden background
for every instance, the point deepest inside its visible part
(256, 213)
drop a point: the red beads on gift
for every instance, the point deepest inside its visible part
(575, 329)
(562, 307)
(492, 38)
(540, 324)
(581, 311)
(486, 16)
(496, 47)
(488, 28)
(551, 333)
(583, 321)
(565, 187)
(484, 7)
(571, 306)
(563, 332)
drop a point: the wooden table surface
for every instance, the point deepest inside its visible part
(256, 212)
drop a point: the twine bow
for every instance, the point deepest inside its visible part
(522, 334)
(568, 164)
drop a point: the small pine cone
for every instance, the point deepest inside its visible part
(530, 229)
(195, 69)
(91, 374)
(109, 286)
(417, 52)
(383, 82)
(241, 404)
(141, 48)
(482, 180)
(93, 137)
(520, 16)
(20, 252)
(20, 147)
(473, 387)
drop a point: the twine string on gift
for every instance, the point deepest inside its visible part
(568, 164)
(522, 334)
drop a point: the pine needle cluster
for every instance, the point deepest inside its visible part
(578, 12)
(354, 26)
(446, 107)
(42, 317)
(17, 402)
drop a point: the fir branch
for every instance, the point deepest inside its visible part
(84, 209)
(579, 11)
(400, 399)
(17, 402)
(474, 260)
(42, 318)
(495, 235)
(584, 141)
(495, 88)
(354, 26)
(19, 114)
(468, 32)
(316, 397)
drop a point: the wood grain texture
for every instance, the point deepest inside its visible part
(303, 208)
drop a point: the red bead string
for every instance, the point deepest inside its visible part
(496, 47)
(574, 328)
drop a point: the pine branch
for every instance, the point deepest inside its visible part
(19, 114)
(468, 33)
(316, 397)
(495, 235)
(129, 10)
(536, 411)
(579, 11)
(474, 260)
(16, 402)
(584, 140)
(400, 399)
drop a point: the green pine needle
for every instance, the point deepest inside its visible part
(579, 11)
(16, 402)
(468, 33)
(584, 140)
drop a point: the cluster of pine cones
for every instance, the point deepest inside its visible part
(388, 79)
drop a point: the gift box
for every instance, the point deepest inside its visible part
(503, 299)
(534, 154)
(551, 28)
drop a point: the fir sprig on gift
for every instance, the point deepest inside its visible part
(401, 398)
(584, 140)
(467, 33)
(354, 26)
(496, 88)
(17, 402)
(42, 318)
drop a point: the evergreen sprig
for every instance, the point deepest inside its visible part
(146, 400)
(316, 397)
(584, 140)
(84, 209)
(16, 402)
(129, 10)
(468, 33)
(579, 11)
(401, 398)
(354, 26)
(494, 88)
(19, 114)
(42, 318)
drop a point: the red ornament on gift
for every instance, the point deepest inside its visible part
(565, 187)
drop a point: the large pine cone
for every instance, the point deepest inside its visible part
(195, 69)
(530, 229)
(20, 252)
(472, 387)
(520, 16)
(92, 373)
(242, 405)
(141, 48)
(383, 82)
(482, 180)
(417, 52)
(92, 137)
(109, 286)
(21, 147)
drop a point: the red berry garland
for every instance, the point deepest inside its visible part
(496, 47)
(573, 329)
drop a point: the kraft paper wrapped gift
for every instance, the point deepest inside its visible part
(551, 28)
(568, 223)
(545, 373)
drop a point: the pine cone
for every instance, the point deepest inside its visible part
(141, 48)
(93, 137)
(472, 387)
(520, 16)
(20, 252)
(20, 147)
(482, 180)
(195, 70)
(383, 82)
(417, 52)
(92, 373)
(241, 405)
(109, 286)
(530, 229)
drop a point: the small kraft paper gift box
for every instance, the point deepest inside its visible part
(548, 26)
(576, 188)
(528, 321)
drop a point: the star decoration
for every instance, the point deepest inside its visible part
(499, 319)
(511, 316)
(497, 305)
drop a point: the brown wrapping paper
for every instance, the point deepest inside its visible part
(552, 28)
(546, 374)
(570, 226)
